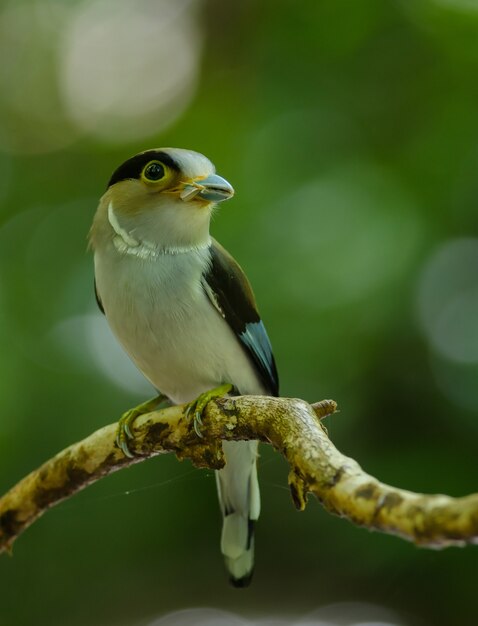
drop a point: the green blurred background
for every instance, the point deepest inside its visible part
(349, 130)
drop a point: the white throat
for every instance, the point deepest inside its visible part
(125, 243)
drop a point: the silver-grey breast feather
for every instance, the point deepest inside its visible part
(176, 334)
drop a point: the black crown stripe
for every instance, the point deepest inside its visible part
(133, 167)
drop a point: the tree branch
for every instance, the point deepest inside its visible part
(292, 426)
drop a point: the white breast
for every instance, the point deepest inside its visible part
(159, 312)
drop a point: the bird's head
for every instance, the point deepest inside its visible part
(162, 198)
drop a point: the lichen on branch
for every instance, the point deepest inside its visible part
(291, 426)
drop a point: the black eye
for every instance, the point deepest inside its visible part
(154, 171)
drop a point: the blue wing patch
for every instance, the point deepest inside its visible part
(257, 342)
(230, 293)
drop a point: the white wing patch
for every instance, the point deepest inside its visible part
(212, 297)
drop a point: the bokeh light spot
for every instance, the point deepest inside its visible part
(342, 236)
(33, 119)
(88, 340)
(129, 69)
(448, 300)
(340, 614)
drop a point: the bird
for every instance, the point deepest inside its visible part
(185, 313)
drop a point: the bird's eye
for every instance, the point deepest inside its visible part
(154, 171)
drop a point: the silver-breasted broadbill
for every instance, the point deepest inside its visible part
(184, 311)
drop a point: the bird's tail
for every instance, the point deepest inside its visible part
(240, 503)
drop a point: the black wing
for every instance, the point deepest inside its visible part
(98, 300)
(230, 292)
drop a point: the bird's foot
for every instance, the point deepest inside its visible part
(124, 433)
(195, 408)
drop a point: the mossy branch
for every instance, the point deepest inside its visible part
(292, 426)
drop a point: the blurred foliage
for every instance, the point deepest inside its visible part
(350, 132)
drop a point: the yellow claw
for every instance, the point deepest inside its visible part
(196, 407)
(125, 423)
